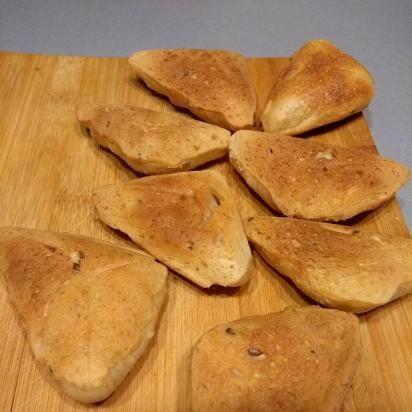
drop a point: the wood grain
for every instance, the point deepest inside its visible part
(48, 169)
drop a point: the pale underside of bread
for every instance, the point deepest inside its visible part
(300, 359)
(215, 85)
(89, 308)
(189, 221)
(320, 85)
(338, 266)
(153, 142)
(313, 180)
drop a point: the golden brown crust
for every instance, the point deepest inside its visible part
(338, 266)
(215, 85)
(301, 359)
(153, 142)
(321, 85)
(187, 220)
(89, 308)
(312, 180)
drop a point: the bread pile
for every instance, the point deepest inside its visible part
(90, 308)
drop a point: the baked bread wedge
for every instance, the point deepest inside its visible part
(338, 266)
(215, 85)
(312, 180)
(189, 221)
(89, 308)
(153, 142)
(300, 359)
(321, 85)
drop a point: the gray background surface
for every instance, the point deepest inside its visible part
(377, 32)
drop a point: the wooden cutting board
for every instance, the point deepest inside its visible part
(48, 169)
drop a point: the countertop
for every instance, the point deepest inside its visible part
(377, 32)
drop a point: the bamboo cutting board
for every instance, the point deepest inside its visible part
(48, 169)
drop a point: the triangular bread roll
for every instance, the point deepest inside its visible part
(321, 85)
(89, 308)
(300, 359)
(153, 142)
(312, 180)
(338, 266)
(215, 85)
(189, 221)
